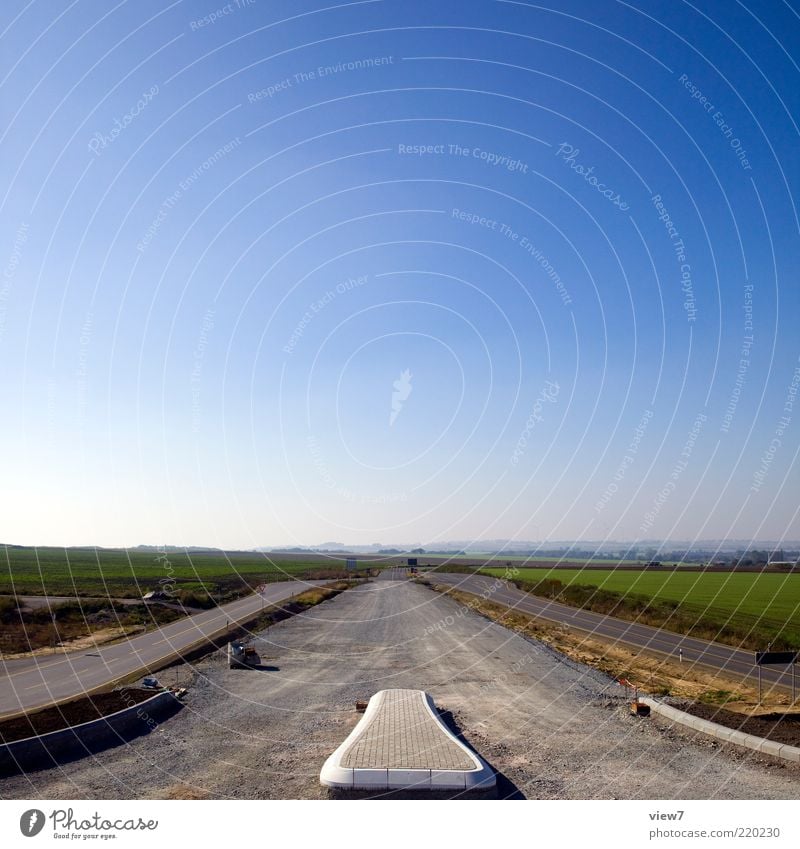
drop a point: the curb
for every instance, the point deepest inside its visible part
(77, 741)
(722, 732)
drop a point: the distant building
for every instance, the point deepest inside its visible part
(785, 565)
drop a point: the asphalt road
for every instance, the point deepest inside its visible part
(32, 683)
(716, 656)
(550, 727)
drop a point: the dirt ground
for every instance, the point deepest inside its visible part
(100, 637)
(781, 728)
(73, 713)
(551, 727)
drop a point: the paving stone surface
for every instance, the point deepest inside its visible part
(403, 735)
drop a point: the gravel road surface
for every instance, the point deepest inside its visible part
(553, 729)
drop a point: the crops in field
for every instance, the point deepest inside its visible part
(199, 578)
(748, 608)
(540, 561)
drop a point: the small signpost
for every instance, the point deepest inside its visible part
(776, 658)
(350, 562)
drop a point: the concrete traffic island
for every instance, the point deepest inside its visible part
(402, 744)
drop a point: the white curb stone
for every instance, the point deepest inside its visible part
(722, 732)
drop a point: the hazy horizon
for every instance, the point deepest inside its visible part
(452, 546)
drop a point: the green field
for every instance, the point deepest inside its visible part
(756, 606)
(123, 573)
(502, 558)
(489, 557)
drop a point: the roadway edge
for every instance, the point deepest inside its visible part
(723, 733)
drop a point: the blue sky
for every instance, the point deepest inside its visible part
(229, 230)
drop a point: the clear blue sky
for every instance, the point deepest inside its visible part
(382, 271)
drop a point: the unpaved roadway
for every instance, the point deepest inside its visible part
(552, 728)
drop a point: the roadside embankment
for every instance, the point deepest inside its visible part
(77, 741)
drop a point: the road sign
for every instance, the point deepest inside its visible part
(766, 658)
(350, 563)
